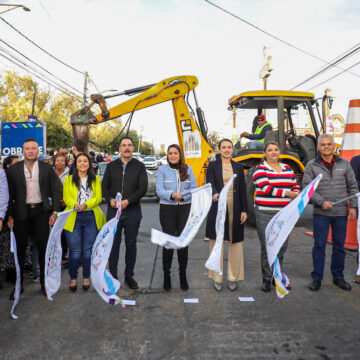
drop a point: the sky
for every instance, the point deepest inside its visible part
(129, 43)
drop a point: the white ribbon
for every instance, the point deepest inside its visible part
(200, 206)
(53, 256)
(214, 261)
(13, 249)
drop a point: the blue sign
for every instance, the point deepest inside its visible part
(14, 134)
(32, 118)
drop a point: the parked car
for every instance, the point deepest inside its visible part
(151, 190)
(162, 161)
(150, 162)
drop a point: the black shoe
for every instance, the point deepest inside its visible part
(73, 287)
(266, 286)
(315, 285)
(167, 281)
(342, 284)
(114, 276)
(183, 282)
(131, 283)
(86, 287)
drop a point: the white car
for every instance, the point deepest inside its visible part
(150, 162)
(162, 161)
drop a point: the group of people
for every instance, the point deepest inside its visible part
(34, 192)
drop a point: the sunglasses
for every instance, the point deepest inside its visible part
(261, 120)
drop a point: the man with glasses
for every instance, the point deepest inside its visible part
(338, 181)
(258, 136)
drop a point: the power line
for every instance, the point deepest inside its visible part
(333, 77)
(267, 33)
(92, 81)
(11, 47)
(33, 69)
(39, 47)
(353, 52)
(67, 92)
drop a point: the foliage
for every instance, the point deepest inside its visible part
(17, 94)
(16, 102)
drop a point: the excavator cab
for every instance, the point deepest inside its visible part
(297, 147)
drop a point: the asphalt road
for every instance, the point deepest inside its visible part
(304, 325)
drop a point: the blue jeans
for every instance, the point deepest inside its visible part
(80, 242)
(130, 222)
(254, 145)
(322, 224)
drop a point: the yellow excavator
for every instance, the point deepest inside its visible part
(190, 126)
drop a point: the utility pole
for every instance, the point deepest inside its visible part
(265, 70)
(85, 86)
(325, 108)
(33, 101)
(138, 150)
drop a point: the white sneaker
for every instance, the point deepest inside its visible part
(232, 285)
(217, 286)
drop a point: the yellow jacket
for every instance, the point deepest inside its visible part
(70, 196)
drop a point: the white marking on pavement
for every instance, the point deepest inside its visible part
(246, 298)
(129, 302)
(191, 301)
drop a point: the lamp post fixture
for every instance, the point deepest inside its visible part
(12, 7)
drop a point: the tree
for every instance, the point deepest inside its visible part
(16, 102)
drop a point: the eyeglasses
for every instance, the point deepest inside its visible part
(261, 120)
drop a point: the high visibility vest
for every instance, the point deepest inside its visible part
(258, 131)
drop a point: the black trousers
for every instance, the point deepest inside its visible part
(173, 219)
(37, 225)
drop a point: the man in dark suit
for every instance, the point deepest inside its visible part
(31, 184)
(127, 176)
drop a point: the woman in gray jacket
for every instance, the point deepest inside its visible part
(173, 180)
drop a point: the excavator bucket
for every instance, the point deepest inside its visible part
(80, 121)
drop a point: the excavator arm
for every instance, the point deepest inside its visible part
(191, 135)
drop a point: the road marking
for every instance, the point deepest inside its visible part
(129, 302)
(191, 301)
(246, 298)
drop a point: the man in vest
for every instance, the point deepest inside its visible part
(258, 136)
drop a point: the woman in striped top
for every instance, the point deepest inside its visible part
(276, 186)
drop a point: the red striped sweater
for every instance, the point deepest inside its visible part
(271, 186)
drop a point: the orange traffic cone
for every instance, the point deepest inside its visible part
(351, 147)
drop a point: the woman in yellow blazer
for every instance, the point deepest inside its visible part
(82, 192)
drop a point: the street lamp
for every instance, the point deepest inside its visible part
(12, 7)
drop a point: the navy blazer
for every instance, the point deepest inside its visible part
(214, 176)
(49, 188)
